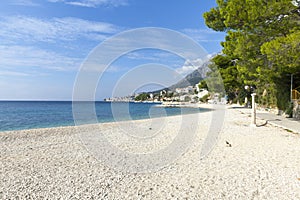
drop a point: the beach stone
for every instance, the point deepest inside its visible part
(53, 163)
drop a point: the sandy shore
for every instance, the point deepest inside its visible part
(188, 105)
(259, 163)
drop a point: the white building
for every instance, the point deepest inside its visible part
(185, 90)
(202, 92)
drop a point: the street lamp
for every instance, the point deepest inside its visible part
(253, 110)
(292, 77)
(246, 98)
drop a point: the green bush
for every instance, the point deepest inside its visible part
(204, 99)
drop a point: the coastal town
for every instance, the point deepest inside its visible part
(190, 94)
(150, 100)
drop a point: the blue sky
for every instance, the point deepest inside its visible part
(44, 42)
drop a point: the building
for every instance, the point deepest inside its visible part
(202, 92)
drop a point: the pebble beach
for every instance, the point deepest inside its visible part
(246, 162)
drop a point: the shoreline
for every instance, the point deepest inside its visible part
(100, 123)
(181, 105)
(261, 162)
(105, 122)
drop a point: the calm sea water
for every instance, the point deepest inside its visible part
(18, 115)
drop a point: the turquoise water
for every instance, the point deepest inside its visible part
(19, 115)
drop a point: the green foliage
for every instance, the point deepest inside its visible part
(202, 84)
(284, 52)
(264, 39)
(204, 99)
(267, 95)
(187, 99)
(170, 94)
(214, 80)
(215, 20)
(196, 99)
(229, 73)
(289, 110)
(222, 67)
(142, 97)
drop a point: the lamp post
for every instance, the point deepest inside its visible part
(253, 111)
(292, 87)
(246, 98)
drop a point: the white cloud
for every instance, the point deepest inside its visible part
(184, 70)
(12, 73)
(150, 55)
(211, 55)
(20, 46)
(204, 35)
(67, 29)
(22, 57)
(189, 66)
(24, 3)
(93, 3)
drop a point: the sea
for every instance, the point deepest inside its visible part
(21, 115)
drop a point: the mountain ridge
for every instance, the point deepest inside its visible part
(190, 79)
